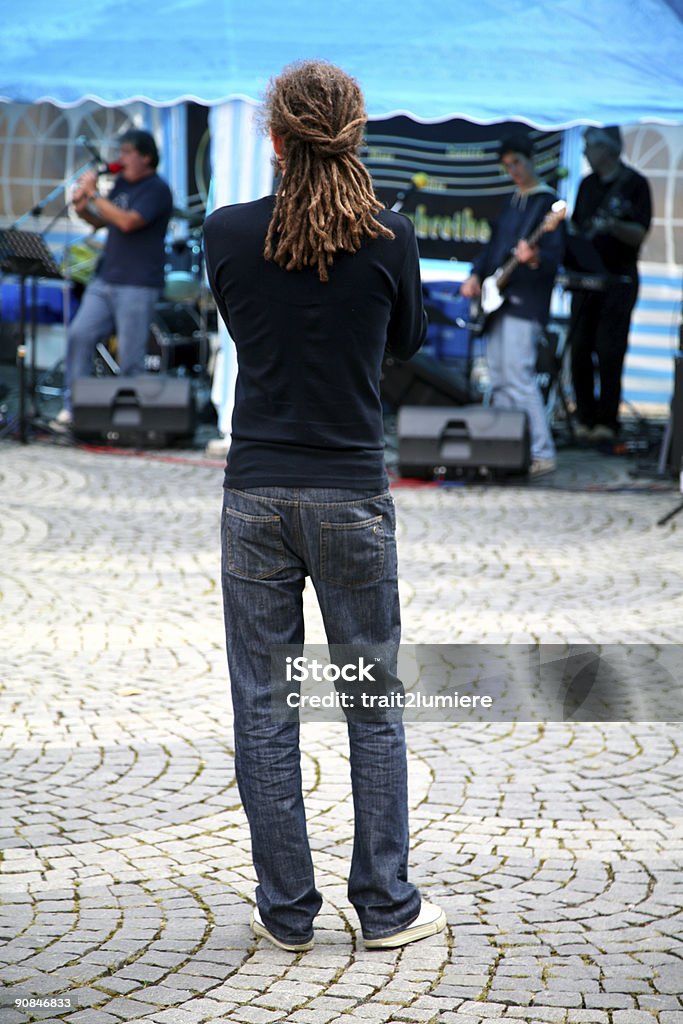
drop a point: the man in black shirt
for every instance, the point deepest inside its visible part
(613, 210)
(314, 284)
(307, 401)
(122, 296)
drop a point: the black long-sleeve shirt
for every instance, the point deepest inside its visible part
(527, 296)
(626, 197)
(307, 401)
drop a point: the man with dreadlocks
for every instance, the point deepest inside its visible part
(314, 285)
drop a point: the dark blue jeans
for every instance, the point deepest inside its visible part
(107, 308)
(272, 538)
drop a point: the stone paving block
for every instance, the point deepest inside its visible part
(163, 994)
(115, 985)
(587, 1017)
(141, 973)
(205, 969)
(457, 1017)
(565, 999)
(176, 1015)
(283, 994)
(659, 1003)
(256, 1015)
(332, 1004)
(398, 992)
(195, 983)
(94, 1017)
(483, 1009)
(207, 1009)
(419, 1016)
(632, 1017)
(611, 1001)
(231, 992)
(460, 991)
(669, 980)
(544, 1014)
(350, 989)
(627, 985)
(307, 1016)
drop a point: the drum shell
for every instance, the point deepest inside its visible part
(182, 270)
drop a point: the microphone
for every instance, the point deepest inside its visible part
(103, 167)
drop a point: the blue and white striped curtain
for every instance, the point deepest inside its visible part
(241, 171)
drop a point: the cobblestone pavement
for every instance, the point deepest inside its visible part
(555, 849)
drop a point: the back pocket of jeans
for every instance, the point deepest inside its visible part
(253, 544)
(352, 554)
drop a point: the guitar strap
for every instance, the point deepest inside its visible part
(534, 221)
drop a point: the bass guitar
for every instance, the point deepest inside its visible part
(492, 287)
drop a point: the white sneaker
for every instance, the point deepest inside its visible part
(218, 446)
(429, 921)
(261, 932)
(539, 467)
(62, 421)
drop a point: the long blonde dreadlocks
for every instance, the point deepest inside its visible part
(326, 202)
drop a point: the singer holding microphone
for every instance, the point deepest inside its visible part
(129, 278)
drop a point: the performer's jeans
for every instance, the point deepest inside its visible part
(511, 354)
(105, 309)
(272, 538)
(600, 324)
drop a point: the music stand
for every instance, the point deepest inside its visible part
(25, 254)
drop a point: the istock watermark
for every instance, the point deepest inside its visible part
(303, 670)
(478, 683)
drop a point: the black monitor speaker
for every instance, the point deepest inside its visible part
(445, 443)
(149, 410)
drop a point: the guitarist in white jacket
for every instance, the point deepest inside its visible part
(525, 274)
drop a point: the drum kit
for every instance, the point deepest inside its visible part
(179, 340)
(182, 270)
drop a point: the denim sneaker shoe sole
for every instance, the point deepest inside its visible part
(261, 932)
(430, 920)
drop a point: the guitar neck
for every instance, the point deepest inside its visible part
(511, 264)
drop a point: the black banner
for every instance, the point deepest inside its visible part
(448, 177)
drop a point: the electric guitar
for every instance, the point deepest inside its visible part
(492, 287)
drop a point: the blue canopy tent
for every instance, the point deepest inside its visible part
(550, 65)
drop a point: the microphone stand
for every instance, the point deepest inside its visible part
(417, 183)
(670, 515)
(35, 212)
(40, 206)
(401, 198)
